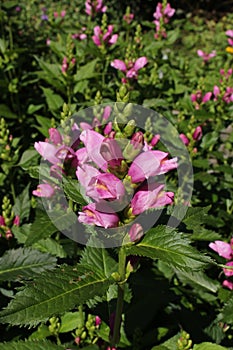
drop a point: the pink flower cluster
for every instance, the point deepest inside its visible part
(94, 6)
(221, 92)
(130, 68)
(5, 229)
(81, 35)
(206, 56)
(229, 33)
(226, 251)
(100, 37)
(61, 15)
(66, 64)
(162, 16)
(196, 136)
(105, 175)
(120, 180)
(198, 98)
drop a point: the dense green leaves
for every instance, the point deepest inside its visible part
(54, 293)
(208, 346)
(228, 311)
(171, 247)
(31, 345)
(24, 263)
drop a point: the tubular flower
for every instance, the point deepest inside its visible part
(149, 164)
(206, 56)
(151, 196)
(89, 215)
(225, 250)
(130, 68)
(94, 6)
(43, 190)
(99, 37)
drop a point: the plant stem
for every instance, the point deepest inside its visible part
(120, 298)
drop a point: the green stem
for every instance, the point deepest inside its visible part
(120, 298)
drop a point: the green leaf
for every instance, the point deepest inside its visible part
(208, 346)
(54, 293)
(72, 190)
(70, 321)
(24, 263)
(29, 157)
(50, 246)
(199, 279)
(86, 72)
(99, 258)
(53, 100)
(227, 311)
(31, 345)
(6, 112)
(171, 247)
(170, 344)
(195, 216)
(22, 204)
(44, 227)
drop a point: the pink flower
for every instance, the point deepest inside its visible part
(155, 140)
(150, 196)
(94, 6)
(43, 190)
(206, 56)
(16, 221)
(228, 95)
(63, 13)
(2, 221)
(85, 173)
(207, 97)
(55, 14)
(55, 136)
(105, 187)
(228, 272)
(228, 284)
(128, 17)
(197, 135)
(216, 92)
(136, 232)
(97, 321)
(64, 66)
(223, 249)
(184, 139)
(169, 11)
(149, 164)
(131, 68)
(230, 34)
(91, 216)
(47, 151)
(100, 38)
(199, 99)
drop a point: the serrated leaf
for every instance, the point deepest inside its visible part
(199, 279)
(31, 345)
(72, 190)
(44, 227)
(208, 346)
(171, 247)
(196, 216)
(228, 311)
(99, 258)
(50, 246)
(53, 293)
(24, 263)
(22, 204)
